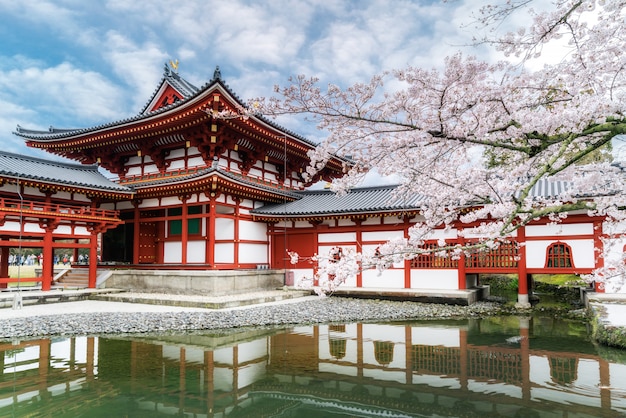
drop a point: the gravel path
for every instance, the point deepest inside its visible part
(116, 318)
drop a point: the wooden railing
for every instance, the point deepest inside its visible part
(28, 207)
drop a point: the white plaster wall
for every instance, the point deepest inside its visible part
(443, 234)
(253, 253)
(393, 279)
(582, 253)
(63, 195)
(168, 201)
(196, 251)
(337, 237)
(254, 231)
(447, 279)
(301, 274)
(559, 229)
(393, 220)
(173, 252)
(434, 336)
(372, 221)
(224, 253)
(345, 222)
(81, 230)
(124, 205)
(255, 172)
(134, 160)
(31, 227)
(61, 229)
(10, 226)
(176, 165)
(176, 153)
(150, 203)
(133, 171)
(150, 168)
(195, 162)
(224, 228)
(614, 250)
(381, 235)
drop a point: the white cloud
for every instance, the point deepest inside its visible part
(60, 90)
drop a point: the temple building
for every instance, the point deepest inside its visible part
(196, 192)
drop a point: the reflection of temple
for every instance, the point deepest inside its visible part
(352, 369)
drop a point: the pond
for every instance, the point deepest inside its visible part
(494, 367)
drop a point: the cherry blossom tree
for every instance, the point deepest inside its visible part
(485, 135)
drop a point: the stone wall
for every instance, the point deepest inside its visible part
(212, 282)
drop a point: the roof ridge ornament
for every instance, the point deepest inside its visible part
(217, 74)
(174, 65)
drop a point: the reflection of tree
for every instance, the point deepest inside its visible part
(563, 370)
(383, 351)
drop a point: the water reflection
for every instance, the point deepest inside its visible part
(500, 367)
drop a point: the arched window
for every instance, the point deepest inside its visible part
(559, 255)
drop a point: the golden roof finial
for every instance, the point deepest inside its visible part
(174, 65)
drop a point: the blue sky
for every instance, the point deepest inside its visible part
(77, 63)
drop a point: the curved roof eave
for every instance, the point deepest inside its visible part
(56, 134)
(212, 171)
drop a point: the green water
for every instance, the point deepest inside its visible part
(496, 367)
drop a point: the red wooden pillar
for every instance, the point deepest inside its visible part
(210, 248)
(136, 229)
(599, 252)
(184, 229)
(407, 263)
(359, 241)
(462, 274)
(522, 275)
(93, 258)
(4, 265)
(236, 233)
(48, 257)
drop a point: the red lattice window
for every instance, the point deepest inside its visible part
(559, 255)
(431, 259)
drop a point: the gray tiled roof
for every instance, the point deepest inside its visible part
(374, 200)
(55, 172)
(216, 82)
(357, 201)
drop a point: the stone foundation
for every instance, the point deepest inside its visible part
(195, 282)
